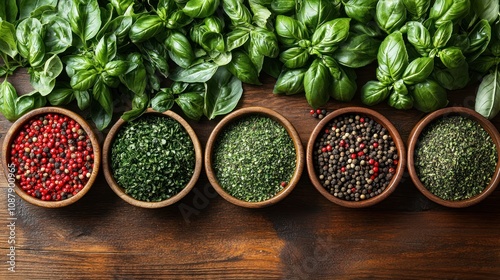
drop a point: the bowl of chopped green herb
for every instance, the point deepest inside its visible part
(254, 157)
(355, 157)
(454, 157)
(152, 161)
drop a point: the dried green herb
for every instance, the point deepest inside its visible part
(254, 158)
(455, 158)
(152, 158)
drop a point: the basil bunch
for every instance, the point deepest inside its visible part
(319, 52)
(405, 83)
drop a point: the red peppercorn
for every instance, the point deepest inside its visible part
(375, 169)
(318, 111)
(392, 170)
(354, 156)
(283, 184)
(328, 148)
(371, 161)
(362, 146)
(375, 145)
(342, 169)
(361, 120)
(312, 111)
(360, 153)
(395, 162)
(323, 150)
(342, 143)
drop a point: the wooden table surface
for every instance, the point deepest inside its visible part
(303, 237)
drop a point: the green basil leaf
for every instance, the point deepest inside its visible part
(163, 101)
(100, 117)
(221, 59)
(272, 67)
(296, 57)
(488, 95)
(313, 13)
(61, 96)
(139, 106)
(317, 81)
(212, 41)
(449, 10)
(145, 27)
(105, 49)
(486, 9)
(400, 87)
(44, 81)
(78, 62)
(442, 35)
(121, 5)
(116, 68)
(8, 97)
(360, 10)
(9, 10)
(428, 96)
(333, 66)
(374, 92)
(136, 79)
(119, 26)
(289, 30)
(198, 73)
(283, 6)
(200, 8)
(330, 33)
(237, 12)
(418, 70)
(261, 14)
(84, 79)
(452, 78)
(36, 50)
(392, 57)
(419, 37)
(236, 38)
(371, 29)
(214, 24)
(82, 99)
(479, 39)
(28, 102)
(191, 104)
(85, 19)
(255, 56)
(58, 35)
(344, 88)
(242, 67)
(401, 101)
(390, 15)
(357, 51)
(223, 93)
(8, 43)
(265, 42)
(102, 95)
(179, 49)
(156, 53)
(26, 7)
(451, 57)
(290, 81)
(25, 30)
(417, 8)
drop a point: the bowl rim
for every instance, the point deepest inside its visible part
(13, 132)
(415, 135)
(292, 132)
(382, 120)
(106, 161)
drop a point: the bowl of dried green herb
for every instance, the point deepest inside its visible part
(454, 157)
(355, 157)
(254, 157)
(153, 161)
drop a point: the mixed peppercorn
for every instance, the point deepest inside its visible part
(53, 157)
(355, 157)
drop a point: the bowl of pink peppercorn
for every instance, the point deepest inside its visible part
(52, 156)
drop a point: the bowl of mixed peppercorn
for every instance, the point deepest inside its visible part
(152, 161)
(254, 157)
(52, 155)
(454, 157)
(355, 157)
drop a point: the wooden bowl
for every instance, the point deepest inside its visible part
(108, 173)
(17, 126)
(395, 137)
(412, 142)
(244, 113)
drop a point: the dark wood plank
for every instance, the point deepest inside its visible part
(303, 237)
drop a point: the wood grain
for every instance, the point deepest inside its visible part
(305, 236)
